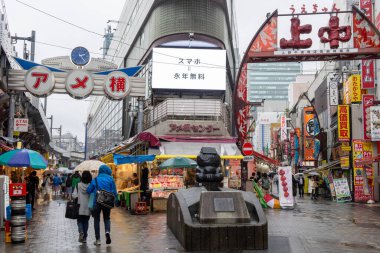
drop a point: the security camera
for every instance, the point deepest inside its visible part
(191, 36)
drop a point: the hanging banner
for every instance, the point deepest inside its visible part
(309, 132)
(343, 123)
(284, 135)
(375, 123)
(333, 92)
(368, 66)
(363, 170)
(285, 186)
(367, 103)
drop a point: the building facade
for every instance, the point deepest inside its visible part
(154, 32)
(270, 81)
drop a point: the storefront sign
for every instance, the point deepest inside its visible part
(284, 133)
(292, 143)
(308, 133)
(285, 186)
(375, 123)
(265, 118)
(20, 124)
(342, 190)
(345, 162)
(195, 128)
(117, 85)
(363, 171)
(333, 92)
(39, 81)
(352, 90)
(367, 103)
(343, 123)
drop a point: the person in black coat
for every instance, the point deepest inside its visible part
(32, 187)
(294, 186)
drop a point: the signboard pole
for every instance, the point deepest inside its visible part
(11, 115)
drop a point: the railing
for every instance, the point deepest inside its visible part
(185, 109)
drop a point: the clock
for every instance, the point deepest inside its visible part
(80, 56)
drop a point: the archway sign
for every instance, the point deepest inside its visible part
(359, 40)
(79, 83)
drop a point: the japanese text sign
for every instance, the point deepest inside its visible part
(182, 68)
(284, 135)
(343, 123)
(39, 81)
(333, 92)
(368, 101)
(375, 122)
(21, 125)
(117, 85)
(79, 84)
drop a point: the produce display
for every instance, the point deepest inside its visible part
(166, 182)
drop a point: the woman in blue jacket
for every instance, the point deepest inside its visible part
(104, 182)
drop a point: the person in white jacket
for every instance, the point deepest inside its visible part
(80, 192)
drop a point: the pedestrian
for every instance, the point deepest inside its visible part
(63, 185)
(56, 184)
(275, 183)
(80, 192)
(253, 176)
(144, 186)
(33, 183)
(314, 186)
(46, 187)
(69, 188)
(265, 183)
(294, 188)
(301, 184)
(75, 179)
(104, 181)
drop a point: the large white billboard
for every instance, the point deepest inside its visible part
(195, 69)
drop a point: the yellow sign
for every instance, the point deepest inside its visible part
(16, 133)
(345, 162)
(343, 123)
(352, 90)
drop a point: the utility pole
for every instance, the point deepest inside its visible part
(12, 97)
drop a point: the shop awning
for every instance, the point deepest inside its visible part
(5, 148)
(193, 148)
(265, 158)
(324, 167)
(124, 159)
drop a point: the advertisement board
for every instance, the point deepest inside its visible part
(285, 186)
(342, 190)
(21, 124)
(375, 122)
(284, 131)
(189, 69)
(267, 118)
(368, 101)
(333, 93)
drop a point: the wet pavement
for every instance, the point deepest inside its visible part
(313, 226)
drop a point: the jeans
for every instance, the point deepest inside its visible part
(106, 217)
(82, 222)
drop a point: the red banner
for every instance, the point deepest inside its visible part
(368, 66)
(367, 103)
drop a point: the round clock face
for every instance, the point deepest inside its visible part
(80, 56)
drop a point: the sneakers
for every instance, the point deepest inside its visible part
(84, 240)
(97, 243)
(108, 241)
(81, 237)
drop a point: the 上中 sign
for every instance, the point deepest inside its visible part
(247, 149)
(39, 81)
(20, 125)
(117, 85)
(343, 123)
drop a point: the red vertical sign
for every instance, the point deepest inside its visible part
(367, 103)
(368, 66)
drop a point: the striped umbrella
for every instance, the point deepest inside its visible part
(23, 158)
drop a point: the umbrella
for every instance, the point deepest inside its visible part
(23, 158)
(50, 171)
(298, 175)
(178, 162)
(313, 173)
(89, 165)
(64, 170)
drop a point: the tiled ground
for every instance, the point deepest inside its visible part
(319, 226)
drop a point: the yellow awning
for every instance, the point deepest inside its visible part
(223, 157)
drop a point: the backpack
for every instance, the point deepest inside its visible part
(265, 183)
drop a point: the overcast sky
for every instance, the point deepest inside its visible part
(93, 15)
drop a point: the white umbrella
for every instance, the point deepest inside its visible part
(313, 173)
(64, 170)
(90, 165)
(298, 175)
(50, 171)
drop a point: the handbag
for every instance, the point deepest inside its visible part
(72, 209)
(104, 198)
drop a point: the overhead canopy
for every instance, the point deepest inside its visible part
(124, 159)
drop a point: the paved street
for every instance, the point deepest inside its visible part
(320, 226)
